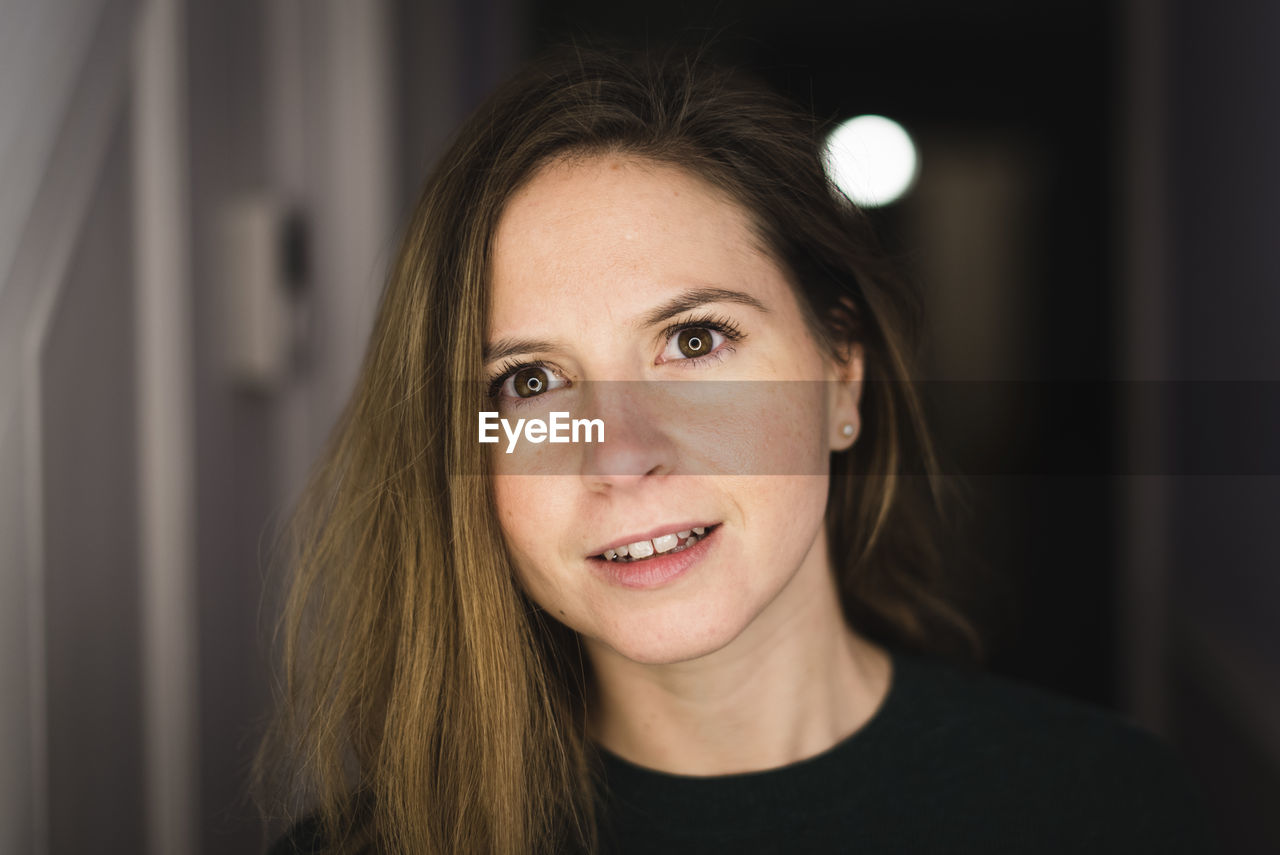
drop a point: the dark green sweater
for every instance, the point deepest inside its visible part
(954, 761)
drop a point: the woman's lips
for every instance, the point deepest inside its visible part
(656, 570)
(654, 536)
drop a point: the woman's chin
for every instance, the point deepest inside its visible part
(665, 644)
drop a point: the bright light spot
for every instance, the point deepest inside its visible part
(872, 159)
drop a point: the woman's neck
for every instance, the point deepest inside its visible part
(795, 682)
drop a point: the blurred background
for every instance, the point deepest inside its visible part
(198, 201)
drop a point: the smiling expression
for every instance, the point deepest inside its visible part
(639, 274)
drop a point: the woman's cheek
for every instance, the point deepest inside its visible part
(777, 428)
(513, 495)
(767, 427)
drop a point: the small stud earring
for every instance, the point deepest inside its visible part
(847, 430)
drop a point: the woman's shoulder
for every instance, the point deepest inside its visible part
(954, 701)
(981, 740)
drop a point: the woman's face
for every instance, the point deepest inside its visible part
(635, 293)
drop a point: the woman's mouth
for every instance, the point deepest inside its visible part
(663, 544)
(653, 562)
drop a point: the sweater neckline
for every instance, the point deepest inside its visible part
(804, 786)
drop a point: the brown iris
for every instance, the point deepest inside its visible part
(529, 381)
(694, 341)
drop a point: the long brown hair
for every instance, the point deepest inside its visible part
(429, 706)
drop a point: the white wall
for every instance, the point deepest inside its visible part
(69, 664)
(139, 477)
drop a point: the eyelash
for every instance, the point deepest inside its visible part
(511, 366)
(718, 323)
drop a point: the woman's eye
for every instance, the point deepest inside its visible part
(530, 381)
(692, 342)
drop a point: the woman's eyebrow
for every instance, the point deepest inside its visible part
(504, 347)
(695, 297)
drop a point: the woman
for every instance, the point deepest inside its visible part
(697, 627)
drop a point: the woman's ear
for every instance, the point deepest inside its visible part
(845, 396)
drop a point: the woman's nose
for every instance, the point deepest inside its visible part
(637, 437)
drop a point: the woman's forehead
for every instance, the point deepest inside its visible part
(613, 233)
(618, 198)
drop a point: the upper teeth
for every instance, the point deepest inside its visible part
(662, 543)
